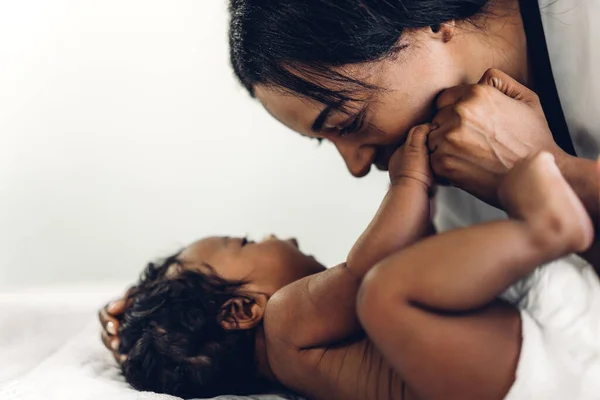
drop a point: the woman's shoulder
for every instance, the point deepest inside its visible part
(570, 28)
(573, 39)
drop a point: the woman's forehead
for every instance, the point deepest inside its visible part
(293, 111)
(297, 112)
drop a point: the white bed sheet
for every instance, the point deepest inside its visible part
(50, 347)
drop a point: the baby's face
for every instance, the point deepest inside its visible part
(266, 266)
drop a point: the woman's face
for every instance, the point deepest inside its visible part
(375, 127)
(435, 59)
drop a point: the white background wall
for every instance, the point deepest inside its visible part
(124, 136)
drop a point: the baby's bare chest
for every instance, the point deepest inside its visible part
(354, 371)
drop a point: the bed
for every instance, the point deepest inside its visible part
(50, 347)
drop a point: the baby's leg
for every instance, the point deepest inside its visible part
(535, 192)
(469, 267)
(429, 308)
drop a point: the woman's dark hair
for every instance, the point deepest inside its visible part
(293, 44)
(173, 339)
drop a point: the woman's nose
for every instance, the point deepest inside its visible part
(358, 158)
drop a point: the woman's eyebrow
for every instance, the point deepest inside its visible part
(320, 121)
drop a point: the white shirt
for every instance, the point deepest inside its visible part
(572, 30)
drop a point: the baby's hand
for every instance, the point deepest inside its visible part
(411, 161)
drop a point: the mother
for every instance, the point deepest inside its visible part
(361, 73)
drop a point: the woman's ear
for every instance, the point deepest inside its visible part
(242, 313)
(444, 31)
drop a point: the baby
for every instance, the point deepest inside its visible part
(406, 316)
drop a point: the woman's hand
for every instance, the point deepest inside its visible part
(110, 318)
(485, 129)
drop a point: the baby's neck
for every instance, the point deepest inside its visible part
(262, 360)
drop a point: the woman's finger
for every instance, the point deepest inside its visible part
(452, 96)
(117, 307)
(109, 323)
(446, 117)
(119, 358)
(507, 85)
(110, 342)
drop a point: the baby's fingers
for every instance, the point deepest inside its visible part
(417, 136)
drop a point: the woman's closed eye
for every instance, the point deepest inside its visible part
(354, 126)
(342, 129)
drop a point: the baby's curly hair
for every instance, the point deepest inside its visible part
(173, 339)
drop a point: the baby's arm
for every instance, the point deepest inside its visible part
(404, 215)
(321, 309)
(430, 308)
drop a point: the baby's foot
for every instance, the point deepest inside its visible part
(536, 192)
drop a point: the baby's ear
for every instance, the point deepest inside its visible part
(241, 313)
